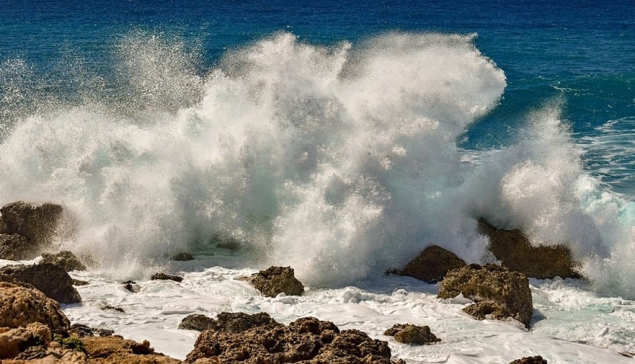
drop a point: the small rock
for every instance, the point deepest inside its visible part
(226, 242)
(431, 265)
(131, 286)
(412, 334)
(16, 247)
(530, 360)
(64, 259)
(112, 308)
(48, 278)
(275, 280)
(197, 322)
(77, 282)
(163, 276)
(182, 257)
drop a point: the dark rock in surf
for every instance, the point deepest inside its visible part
(197, 322)
(131, 286)
(509, 290)
(515, 252)
(38, 223)
(86, 331)
(52, 280)
(412, 334)
(431, 265)
(113, 308)
(16, 247)
(226, 242)
(165, 277)
(78, 282)
(182, 257)
(64, 259)
(530, 360)
(304, 340)
(275, 280)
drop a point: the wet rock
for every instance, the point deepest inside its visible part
(275, 280)
(52, 280)
(64, 259)
(182, 257)
(197, 322)
(515, 252)
(487, 309)
(491, 283)
(431, 265)
(16, 247)
(38, 223)
(412, 334)
(131, 286)
(77, 282)
(304, 340)
(21, 306)
(16, 340)
(530, 360)
(164, 277)
(112, 308)
(84, 331)
(226, 242)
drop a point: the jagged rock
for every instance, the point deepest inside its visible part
(78, 282)
(84, 331)
(412, 334)
(38, 223)
(530, 360)
(275, 280)
(64, 259)
(164, 277)
(182, 257)
(515, 252)
(52, 280)
(131, 286)
(197, 322)
(21, 306)
(485, 309)
(16, 247)
(304, 340)
(431, 265)
(112, 308)
(491, 283)
(14, 341)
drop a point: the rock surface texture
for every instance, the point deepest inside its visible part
(431, 265)
(530, 360)
(52, 280)
(16, 247)
(38, 223)
(491, 283)
(515, 252)
(306, 340)
(64, 259)
(275, 280)
(412, 334)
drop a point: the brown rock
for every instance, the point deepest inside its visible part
(21, 306)
(197, 322)
(48, 278)
(38, 223)
(491, 283)
(165, 277)
(515, 252)
(306, 340)
(114, 349)
(182, 257)
(412, 334)
(16, 247)
(431, 265)
(530, 360)
(275, 280)
(14, 341)
(484, 309)
(64, 259)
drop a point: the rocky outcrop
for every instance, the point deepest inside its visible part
(83, 331)
(412, 334)
(165, 277)
(275, 280)
(16, 247)
(233, 322)
(21, 306)
(491, 283)
(530, 360)
(38, 223)
(514, 250)
(16, 340)
(197, 322)
(431, 265)
(304, 340)
(52, 280)
(64, 259)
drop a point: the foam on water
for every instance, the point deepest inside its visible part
(340, 161)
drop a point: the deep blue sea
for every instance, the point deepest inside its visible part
(375, 126)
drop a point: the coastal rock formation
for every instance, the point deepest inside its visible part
(275, 280)
(412, 334)
(507, 290)
(515, 252)
(38, 223)
(15, 247)
(21, 306)
(182, 257)
(431, 265)
(530, 360)
(52, 280)
(64, 259)
(165, 277)
(197, 322)
(304, 340)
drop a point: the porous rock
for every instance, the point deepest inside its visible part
(197, 322)
(64, 259)
(13, 341)
(515, 251)
(21, 306)
(165, 277)
(52, 280)
(275, 280)
(412, 334)
(431, 265)
(38, 223)
(233, 322)
(16, 247)
(530, 360)
(307, 340)
(491, 283)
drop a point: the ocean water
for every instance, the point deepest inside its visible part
(339, 138)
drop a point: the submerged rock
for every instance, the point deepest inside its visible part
(431, 265)
(64, 259)
(52, 280)
(131, 286)
(530, 360)
(412, 334)
(182, 257)
(275, 280)
(304, 340)
(165, 277)
(510, 290)
(515, 252)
